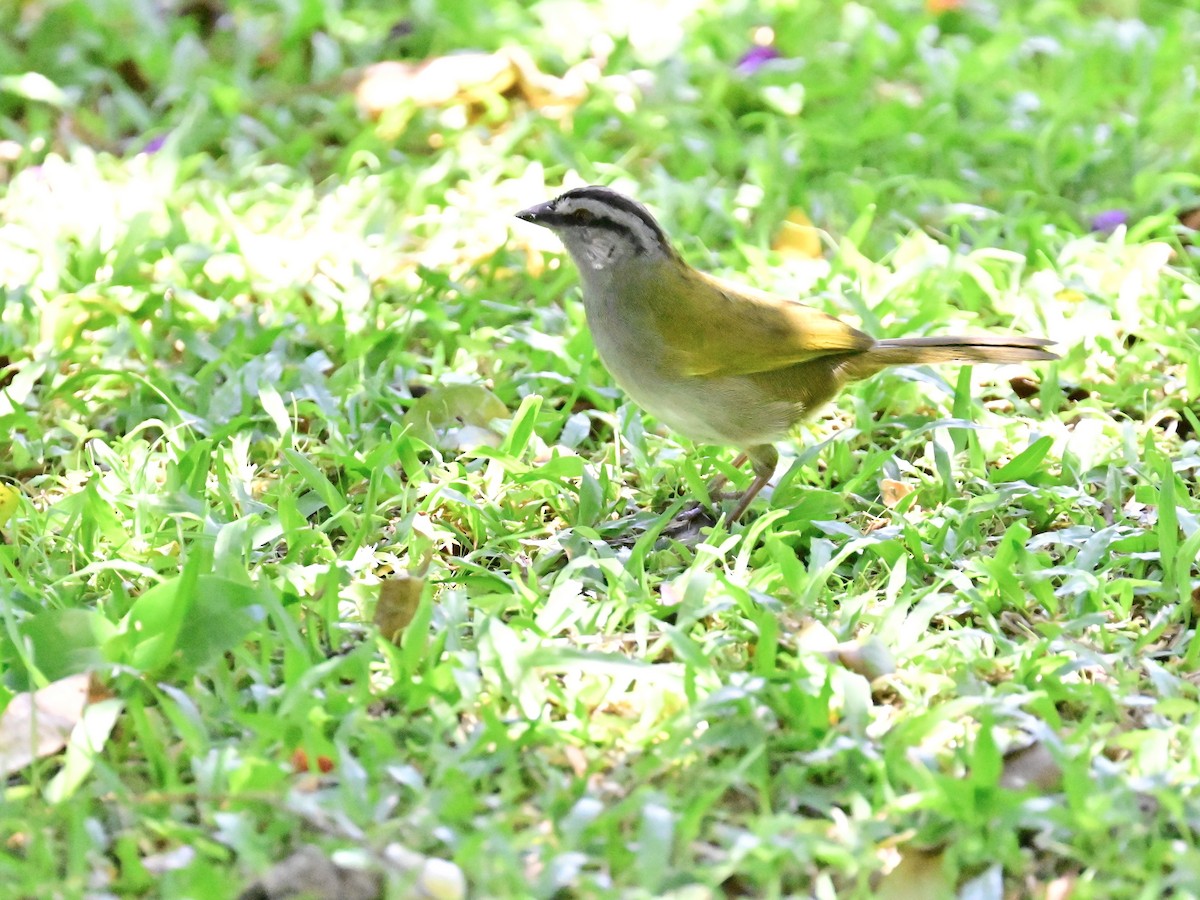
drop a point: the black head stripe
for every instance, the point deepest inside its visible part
(618, 201)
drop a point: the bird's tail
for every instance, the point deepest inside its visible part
(916, 351)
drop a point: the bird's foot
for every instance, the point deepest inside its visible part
(688, 523)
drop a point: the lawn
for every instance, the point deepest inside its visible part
(335, 558)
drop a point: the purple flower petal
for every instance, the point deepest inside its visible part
(154, 145)
(1109, 220)
(755, 58)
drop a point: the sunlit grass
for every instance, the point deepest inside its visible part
(292, 355)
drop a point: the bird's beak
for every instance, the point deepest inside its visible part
(542, 214)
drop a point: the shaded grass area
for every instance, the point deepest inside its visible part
(292, 353)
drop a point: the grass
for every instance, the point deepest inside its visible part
(291, 358)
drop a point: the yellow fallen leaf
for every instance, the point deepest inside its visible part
(550, 95)
(798, 237)
(10, 499)
(892, 491)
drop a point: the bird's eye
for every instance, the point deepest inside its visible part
(583, 216)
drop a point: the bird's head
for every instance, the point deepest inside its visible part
(601, 228)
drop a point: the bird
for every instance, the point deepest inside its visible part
(719, 362)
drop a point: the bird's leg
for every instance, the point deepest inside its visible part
(764, 458)
(759, 482)
(714, 486)
(696, 515)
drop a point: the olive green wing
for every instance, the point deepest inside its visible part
(733, 330)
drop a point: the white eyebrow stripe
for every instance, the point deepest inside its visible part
(614, 218)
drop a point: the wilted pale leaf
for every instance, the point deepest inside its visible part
(169, 860)
(63, 317)
(437, 879)
(785, 99)
(456, 417)
(920, 875)
(36, 725)
(470, 78)
(86, 744)
(310, 873)
(461, 78)
(1031, 767)
(399, 597)
(798, 237)
(441, 879)
(34, 86)
(1061, 888)
(869, 658)
(814, 637)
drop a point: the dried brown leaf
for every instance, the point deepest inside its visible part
(399, 597)
(1024, 387)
